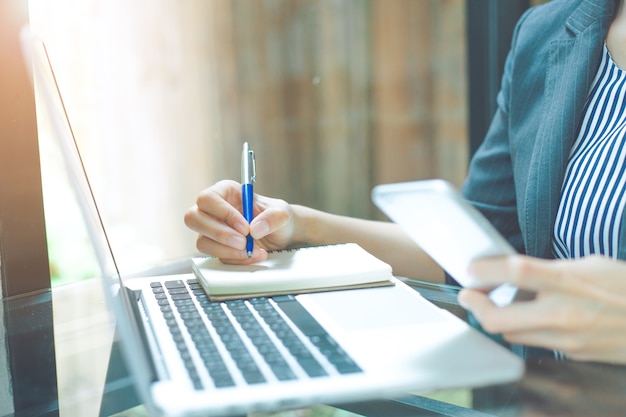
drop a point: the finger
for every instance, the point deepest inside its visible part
(575, 346)
(478, 303)
(213, 229)
(257, 256)
(578, 345)
(268, 222)
(230, 255)
(272, 215)
(223, 202)
(516, 325)
(547, 339)
(516, 317)
(259, 228)
(522, 271)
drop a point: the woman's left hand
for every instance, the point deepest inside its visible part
(579, 309)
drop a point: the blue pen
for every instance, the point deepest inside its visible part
(248, 176)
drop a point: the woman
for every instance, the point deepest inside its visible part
(555, 151)
(549, 176)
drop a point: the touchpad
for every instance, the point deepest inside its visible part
(367, 309)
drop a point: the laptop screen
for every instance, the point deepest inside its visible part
(116, 294)
(54, 108)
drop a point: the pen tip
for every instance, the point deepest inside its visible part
(249, 254)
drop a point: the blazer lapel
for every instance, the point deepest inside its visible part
(572, 65)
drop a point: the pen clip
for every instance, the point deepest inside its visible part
(251, 165)
(248, 165)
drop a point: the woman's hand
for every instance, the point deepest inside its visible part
(579, 309)
(217, 217)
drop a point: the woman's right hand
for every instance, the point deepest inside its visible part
(217, 217)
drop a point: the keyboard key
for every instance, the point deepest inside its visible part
(179, 340)
(317, 335)
(261, 341)
(288, 338)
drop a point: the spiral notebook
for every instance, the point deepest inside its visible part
(295, 271)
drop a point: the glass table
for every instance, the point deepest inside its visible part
(59, 356)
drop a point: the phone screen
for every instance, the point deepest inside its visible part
(449, 229)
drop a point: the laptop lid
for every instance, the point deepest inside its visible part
(119, 299)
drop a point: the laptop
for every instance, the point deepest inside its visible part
(189, 356)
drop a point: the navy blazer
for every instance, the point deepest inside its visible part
(516, 175)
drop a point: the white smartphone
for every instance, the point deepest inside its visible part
(449, 229)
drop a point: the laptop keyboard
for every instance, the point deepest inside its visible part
(255, 334)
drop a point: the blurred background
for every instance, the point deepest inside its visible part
(334, 96)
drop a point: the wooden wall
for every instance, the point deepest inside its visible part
(338, 96)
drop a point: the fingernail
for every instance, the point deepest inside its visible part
(260, 229)
(461, 299)
(237, 242)
(241, 228)
(471, 270)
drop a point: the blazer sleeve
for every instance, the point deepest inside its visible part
(490, 185)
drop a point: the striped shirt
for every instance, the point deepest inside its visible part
(593, 192)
